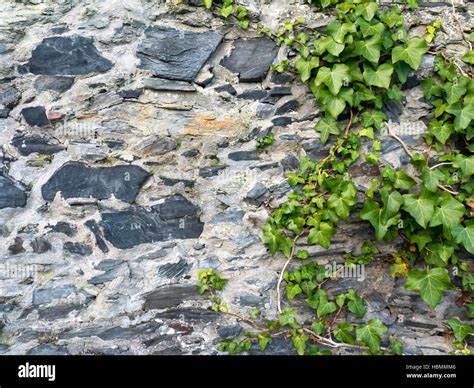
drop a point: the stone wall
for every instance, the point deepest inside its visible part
(129, 162)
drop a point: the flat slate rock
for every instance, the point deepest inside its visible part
(174, 54)
(57, 83)
(35, 143)
(71, 55)
(170, 295)
(35, 116)
(167, 85)
(251, 58)
(175, 218)
(77, 180)
(11, 195)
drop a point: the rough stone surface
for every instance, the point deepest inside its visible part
(174, 54)
(251, 58)
(72, 55)
(136, 166)
(77, 180)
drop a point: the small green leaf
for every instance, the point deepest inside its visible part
(461, 330)
(371, 334)
(431, 284)
(327, 126)
(412, 53)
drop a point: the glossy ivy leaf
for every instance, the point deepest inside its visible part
(403, 181)
(431, 88)
(338, 30)
(328, 44)
(380, 77)
(324, 306)
(264, 340)
(468, 57)
(288, 318)
(448, 213)
(333, 78)
(327, 126)
(299, 342)
(412, 53)
(344, 332)
(367, 10)
(464, 235)
(421, 238)
(460, 330)
(431, 178)
(395, 346)
(464, 114)
(369, 48)
(371, 334)
(341, 205)
(321, 235)
(305, 67)
(208, 4)
(356, 306)
(421, 208)
(441, 130)
(292, 290)
(431, 284)
(438, 254)
(465, 163)
(373, 118)
(334, 105)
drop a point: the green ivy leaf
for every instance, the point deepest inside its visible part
(448, 213)
(327, 126)
(264, 340)
(288, 318)
(208, 4)
(420, 208)
(369, 48)
(321, 235)
(431, 178)
(343, 333)
(292, 290)
(441, 130)
(465, 163)
(403, 181)
(468, 57)
(464, 235)
(380, 77)
(431, 284)
(464, 114)
(412, 53)
(305, 67)
(333, 78)
(325, 307)
(460, 330)
(371, 334)
(299, 342)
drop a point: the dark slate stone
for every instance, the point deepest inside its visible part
(94, 228)
(243, 155)
(412, 81)
(35, 116)
(252, 300)
(282, 121)
(131, 93)
(190, 153)
(72, 55)
(40, 245)
(77, 248)
(35, 143)
(174, 54)
(166, 85)
(393, 110)
(69, 230)
(58, 83)
(206, 172)
(290, 162)
(47, 295)
(251, 58)
(77, 180)
(175, 218)
(253, 95)
(232, 331)
(171, 295)
(9, 96)
(11, 194)
(258, 194)
(227, 88)
(228, 216)
(288, 107)
(59, 311)
(17, 246)
(174, 270)
(110, 268)
(172, 182)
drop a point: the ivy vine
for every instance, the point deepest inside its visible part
(354, 66)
